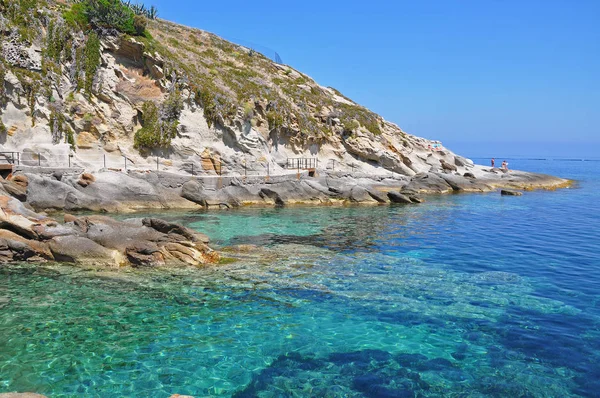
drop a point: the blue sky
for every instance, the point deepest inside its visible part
(482, 73)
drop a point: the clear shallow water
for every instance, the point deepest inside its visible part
(465, 295)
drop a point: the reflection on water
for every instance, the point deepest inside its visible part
(469, 295)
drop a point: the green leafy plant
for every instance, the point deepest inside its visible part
(91, 60)
(275, 119)
(139, 24)
(159, 124)
(56, 40)
(123, 16)
(3, 70)
(76, 17)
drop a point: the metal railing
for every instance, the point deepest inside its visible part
(196, 165)
(302, 163)
(13, 158)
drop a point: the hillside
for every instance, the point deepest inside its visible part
(154, 91)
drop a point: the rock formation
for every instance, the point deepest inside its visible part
(97, 240)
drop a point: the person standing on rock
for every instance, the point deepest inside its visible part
(505, 165)
(493, 163)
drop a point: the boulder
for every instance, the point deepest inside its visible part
(416, 199)
(458, 183)
(397, 197)
(45, 193)
(377, 196)
(273, 195)
(82, 250)
(86, 179)
(460, 161)
(13, 220)
(20, 179)
(144, 255)
(16, 190)
(428, 183)
(193, 191)
(14, 247)
(179, 231)
(507, 192)
(360, 194)
(447, 166)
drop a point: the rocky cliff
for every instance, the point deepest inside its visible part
(87, 94)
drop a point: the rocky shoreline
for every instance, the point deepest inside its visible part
(111, 192)
(97, 240)
(28, 234)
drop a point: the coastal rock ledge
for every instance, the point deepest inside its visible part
(98, 240)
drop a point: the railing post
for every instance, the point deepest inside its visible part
(125, 157)
(104, 156)
(192, 168)
(69, 160)
(157, 164)
(39, 160)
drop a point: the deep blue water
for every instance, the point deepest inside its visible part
(463, 296)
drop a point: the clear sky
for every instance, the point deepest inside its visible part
(472, 73)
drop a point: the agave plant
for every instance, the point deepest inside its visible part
(152, 13)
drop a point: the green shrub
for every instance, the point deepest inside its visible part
(206, 99)
(91, 60)
(139, 24)
(23, 15)
(214, 103)
(351, 125)
(248, 110)
(172, 107)
(69, 137)
(159, 124)
(275, 119)
(149, 135)
(109, 14)
(2, 87)
(30, 81)
(56, 40)
(60, 128)
(76, 17)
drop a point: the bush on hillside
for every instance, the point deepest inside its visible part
(106, 14)
(159, 124)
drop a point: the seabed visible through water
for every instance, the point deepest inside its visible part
(466, 296)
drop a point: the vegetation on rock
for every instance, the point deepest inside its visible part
(229, 82)
(109, 14)
(159, 123)
(91, 60)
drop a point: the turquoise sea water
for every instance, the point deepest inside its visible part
(462, 296)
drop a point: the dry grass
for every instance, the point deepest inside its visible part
(137, 87)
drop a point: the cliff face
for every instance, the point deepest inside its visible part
(180, 97)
